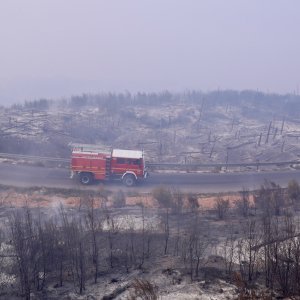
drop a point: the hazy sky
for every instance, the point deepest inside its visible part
(56, 48)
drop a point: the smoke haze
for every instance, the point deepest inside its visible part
(55, 48)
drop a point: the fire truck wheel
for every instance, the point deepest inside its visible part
(129, 180)
(86, 178)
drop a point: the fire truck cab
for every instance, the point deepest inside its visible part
(92, 162)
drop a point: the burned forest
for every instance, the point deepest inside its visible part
(191, 127)
(104, 245)
(113, 243)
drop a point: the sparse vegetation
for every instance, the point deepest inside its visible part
(119, 199)
(81, 247)
(252, 241)
(143, 289)
(294, 191)
(243, 204)
(221, 206)
(220, 126)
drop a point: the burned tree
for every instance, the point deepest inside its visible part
(165, 200)
(221, 206)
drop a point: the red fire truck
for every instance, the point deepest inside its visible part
(91, 162)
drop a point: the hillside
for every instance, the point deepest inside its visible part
(195, 127)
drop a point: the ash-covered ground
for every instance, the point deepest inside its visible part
(192, 127)
(132, 227)
(52, 245)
